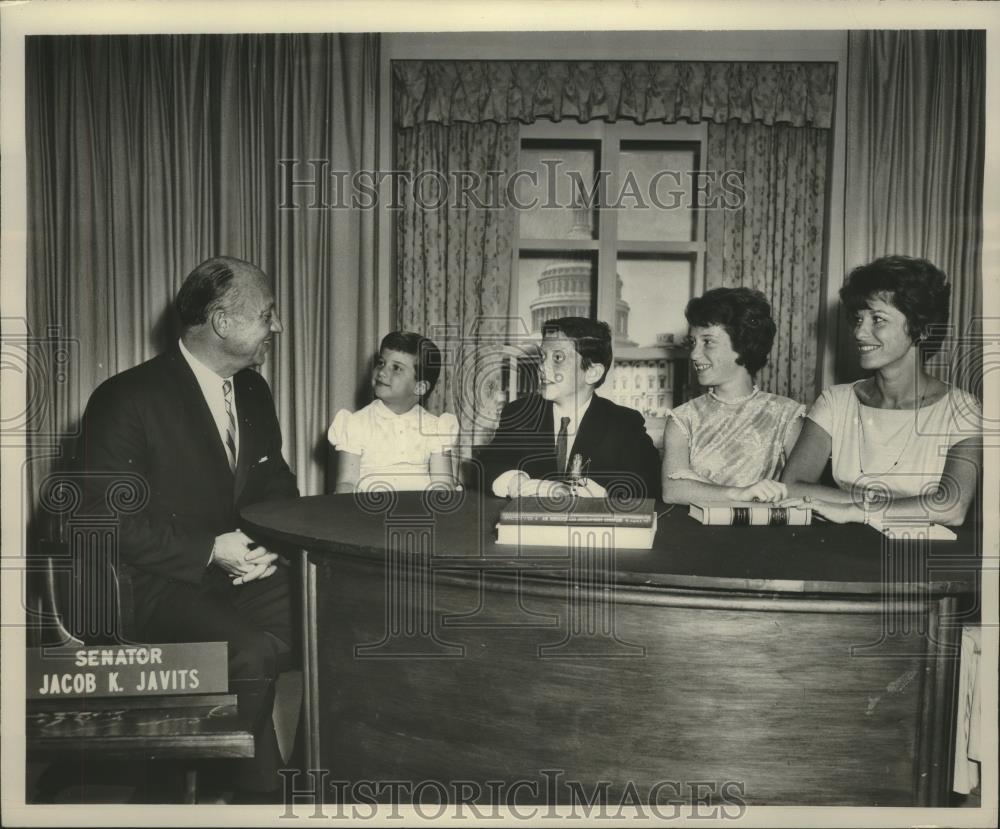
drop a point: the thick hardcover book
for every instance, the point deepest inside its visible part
(577, 536)
(749, 514)
(127, 670)
(632, 512)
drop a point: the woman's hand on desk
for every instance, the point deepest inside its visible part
(828, 510)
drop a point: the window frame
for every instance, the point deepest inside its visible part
(608, 247)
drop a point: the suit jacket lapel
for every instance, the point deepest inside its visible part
(590, 431)
(206, 430)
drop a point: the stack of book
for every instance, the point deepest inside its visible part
(749, 514)
(578, 522)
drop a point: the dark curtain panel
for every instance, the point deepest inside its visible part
(148, 154)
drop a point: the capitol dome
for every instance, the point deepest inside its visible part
(564, 290)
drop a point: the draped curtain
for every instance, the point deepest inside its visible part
(147, 155)
(774, 241)
(455, 259)
(915, 151)
(445, 92)
(768, 121)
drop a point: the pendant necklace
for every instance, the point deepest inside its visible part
(906, 443)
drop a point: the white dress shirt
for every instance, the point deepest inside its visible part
(501, 486)
(211, 388)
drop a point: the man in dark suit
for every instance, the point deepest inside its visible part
(538, 436)
(198, 425)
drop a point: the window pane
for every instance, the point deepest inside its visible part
(556, 207)
(554, 286)
(655, 191)
(651, 293)
(650, 362)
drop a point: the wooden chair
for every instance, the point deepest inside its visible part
(57, 611)
(118, 732)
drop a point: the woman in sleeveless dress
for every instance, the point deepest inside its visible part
(903, 444)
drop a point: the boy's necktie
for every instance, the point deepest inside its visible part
(227, 393)
(562, 447)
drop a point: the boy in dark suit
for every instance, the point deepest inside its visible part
(195, 434)
(533, 449)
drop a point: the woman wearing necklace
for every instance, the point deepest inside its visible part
(729, 443)
(904, 444)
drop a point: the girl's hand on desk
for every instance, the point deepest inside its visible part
(766, 490)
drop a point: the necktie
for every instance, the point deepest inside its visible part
(562, 448)
(227, 393)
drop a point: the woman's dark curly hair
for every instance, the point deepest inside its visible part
(914, 286)
(746, 316)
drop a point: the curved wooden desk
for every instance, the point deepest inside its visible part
(812, 665)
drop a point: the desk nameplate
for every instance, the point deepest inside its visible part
(127, 671)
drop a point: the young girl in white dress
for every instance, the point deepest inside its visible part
(395, 442)
(730, 443)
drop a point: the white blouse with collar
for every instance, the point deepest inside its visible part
(395, 449)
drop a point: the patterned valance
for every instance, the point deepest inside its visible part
(439, 91)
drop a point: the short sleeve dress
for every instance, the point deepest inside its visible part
(903, 449)
(395, 449)
(736, 444)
